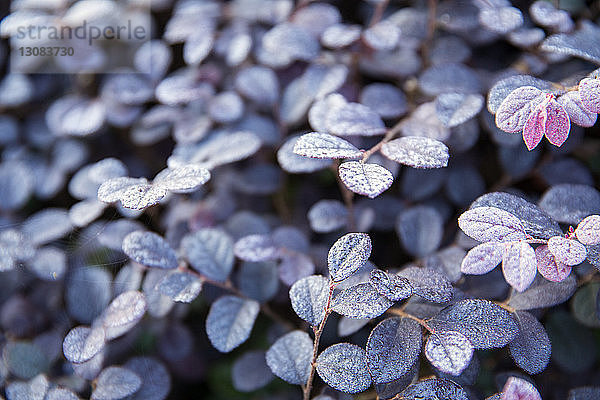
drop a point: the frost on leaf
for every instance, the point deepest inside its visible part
(390, 286)
(366, 179)
(531, 348)
(417, 152)
(393, 347)
(327, 216)
(289, 357)
(428, 284)
(578, 113)
(420, 229)
(181, 287)
(549, 267)
(570, 203)
(361, 301)
(293, 163)
(116, 383)
(519, 389)
(182, 179)
(354, 119)
(230, 321)
(434, 388)
(450, 351)
(589, 92)
(348, 254)
(343, 366)
(256, 248)
(323, 145)
(487, 224)
(544, 293)
(567, 251)
(506, 86)
(83, 343)
(309, 298)
(501, 19)
(150, 249)
(210, 252)
(549, 119)
(515, 109)
(123, 313)
(485, 324)
(519, 265)
(483, 258)
(456, 108)
(588, 230)
(583, 43)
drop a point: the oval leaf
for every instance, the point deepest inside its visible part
(367, 179)
(417, 152)
(230, 321)
(343, 366)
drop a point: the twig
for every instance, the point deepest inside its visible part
(402, 313)
(378, 13)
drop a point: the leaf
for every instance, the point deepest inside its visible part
(456, 108)
(589, 93)
(434, 389)
(150, 249)
(181, 287)
(25, 359)
(519, 389)
(258, 280)
(428, 284)
(545, 14)
(588, 230)
(417, 152)
(531, 348)
(230, 321)
(366, 179)
(250, 372)
(578, 113)
(290, 356)
(485, 324)
(569, 203)
(487, 224)
(88, 293)
(567, 251)
(584, 393)
(549, 119)
(360, 301)
(549, 267)
(156, 382)
(83, 343)
(323, 145)
(482, 258)
(123, 313)
(210, 252)
(544, 293)
(583, 43)
(501, 19)
(60, 394)
(420, 229)
(294, 267)
(354, 119)
(519, 265)
(116, 383)
(309, 298)
(390, 286)
(347, 255)
(327, 216)
(46, 226)
(515, 109)
(449, 78)
(386, 100)
(343, 366)
(182, 179)
(505, 86)
(291, 41)
(449, 351)
(584, 305)
(295, 164)
(256, 248)
(340, 35)
(393, 348)
(384, 35)
(259, 84)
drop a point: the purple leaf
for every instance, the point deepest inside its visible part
(519, 265)
(488, 224)
(548, 119)
(588, 230)
(343, 366)
(361, 301)
(548, 267)
(366, 179)
(394, 288)
(515, 109)
(567, 251)
(323, 145)
(482, 258)
(519, 389)
(449, 351)
(589, 91)
(577, 111)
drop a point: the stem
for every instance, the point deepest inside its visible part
(402, 313)
(318, 332)
(378, 13)
(389, 135)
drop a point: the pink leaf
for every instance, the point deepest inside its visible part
(519, 389)
(567, 251)
(483, 258)
(548, 266)
(589, 91)
(519, 265)
(588, 230)
(548, 118)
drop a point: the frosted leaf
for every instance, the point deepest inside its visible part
(449, 351)
(390, 286)
(83, 343)
(487, 224)
(456, 108)
(182, 87)
(386, 100)
(327, 216)
(449, 78)
(434, 389)
(309, 298)
(417, 152)
(258, 280)
(567, 251)
(159, 305)
(87, 293)
(210, 252)
(583, 43)
(420, 229)
(519, 265)
(198, 46)
(293, 163)
(393, 347)
(513, 112)
(578, 113)
(360, 301)
(549, 119)
(290, 356)
(384, 35)
(366, 179)
(83, 213)
(526, 37)
(49, 263)
(115, 188)
(123, 313)
(447, 261)
(531, 348)
(75, 116)
(115, 231)
(126, 89)
(322, 145)
(343, 367)
(428, 284)
(545, 14)
(317, 114)
(259, 84)
(340, 35)
(588, 230)
(16, 185)
(423, 122)
(506, 86)
(139, 197)
(501, 19)
(449, 49)
(348, 254)
(485, 324)
(128, 278)
(153, 58)
(226, 107)
(291, 41)
(230, 321)
(116, 383)
(589, 92)
(46, 226)
(222, 149)
(256, 248)
(150, 249)
(544, 293)
(180, 286)
(295, 266)
(60, 394)
(519, 389)
(250, 372)
(354, 119)
(569, 203)
(483, 258)
(182, 179)
(156, 382)
(35, 389)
